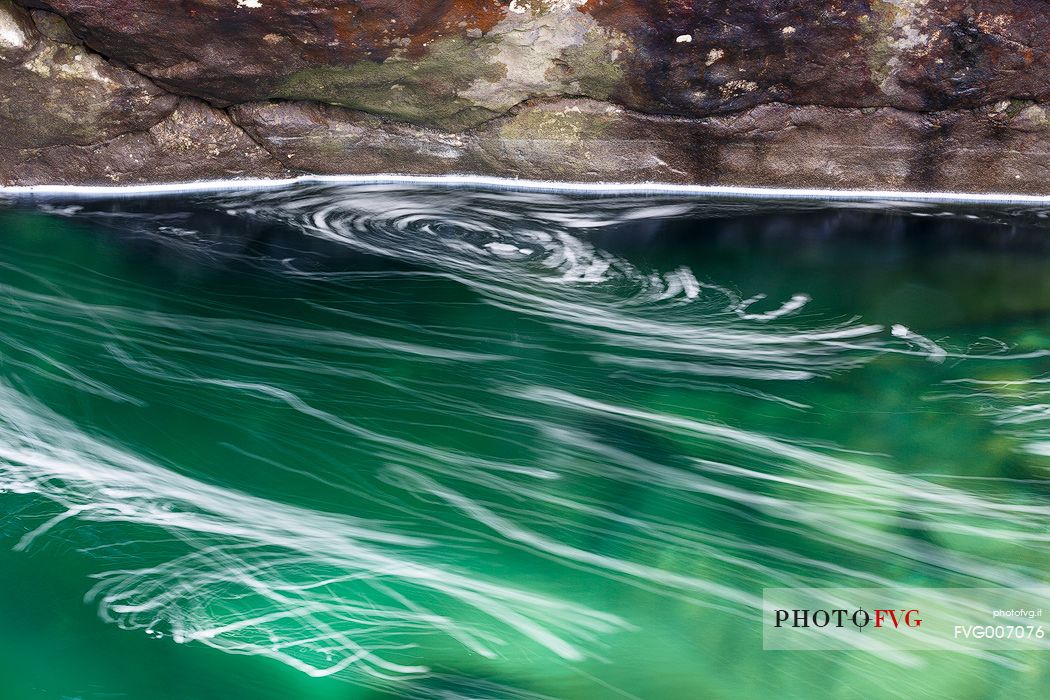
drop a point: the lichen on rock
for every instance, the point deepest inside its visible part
(421, 91)
(546, 49)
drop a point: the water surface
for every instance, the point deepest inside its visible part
(405, 442)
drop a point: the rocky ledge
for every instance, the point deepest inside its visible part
(884, 94)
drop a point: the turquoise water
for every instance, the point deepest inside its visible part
(388, 442)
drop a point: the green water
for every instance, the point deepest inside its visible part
(378, 443)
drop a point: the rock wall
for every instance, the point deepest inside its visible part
(895, 94)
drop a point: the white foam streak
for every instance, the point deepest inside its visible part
(241, 546)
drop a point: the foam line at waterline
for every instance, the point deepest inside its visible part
(515, 184)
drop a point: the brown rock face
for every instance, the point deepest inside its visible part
(921, 55)
(229, 51)
(584, 140)
(61, 93)
(689, 58)
(194, 142)
(907, 94)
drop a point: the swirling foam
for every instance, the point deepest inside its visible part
(333, 594)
